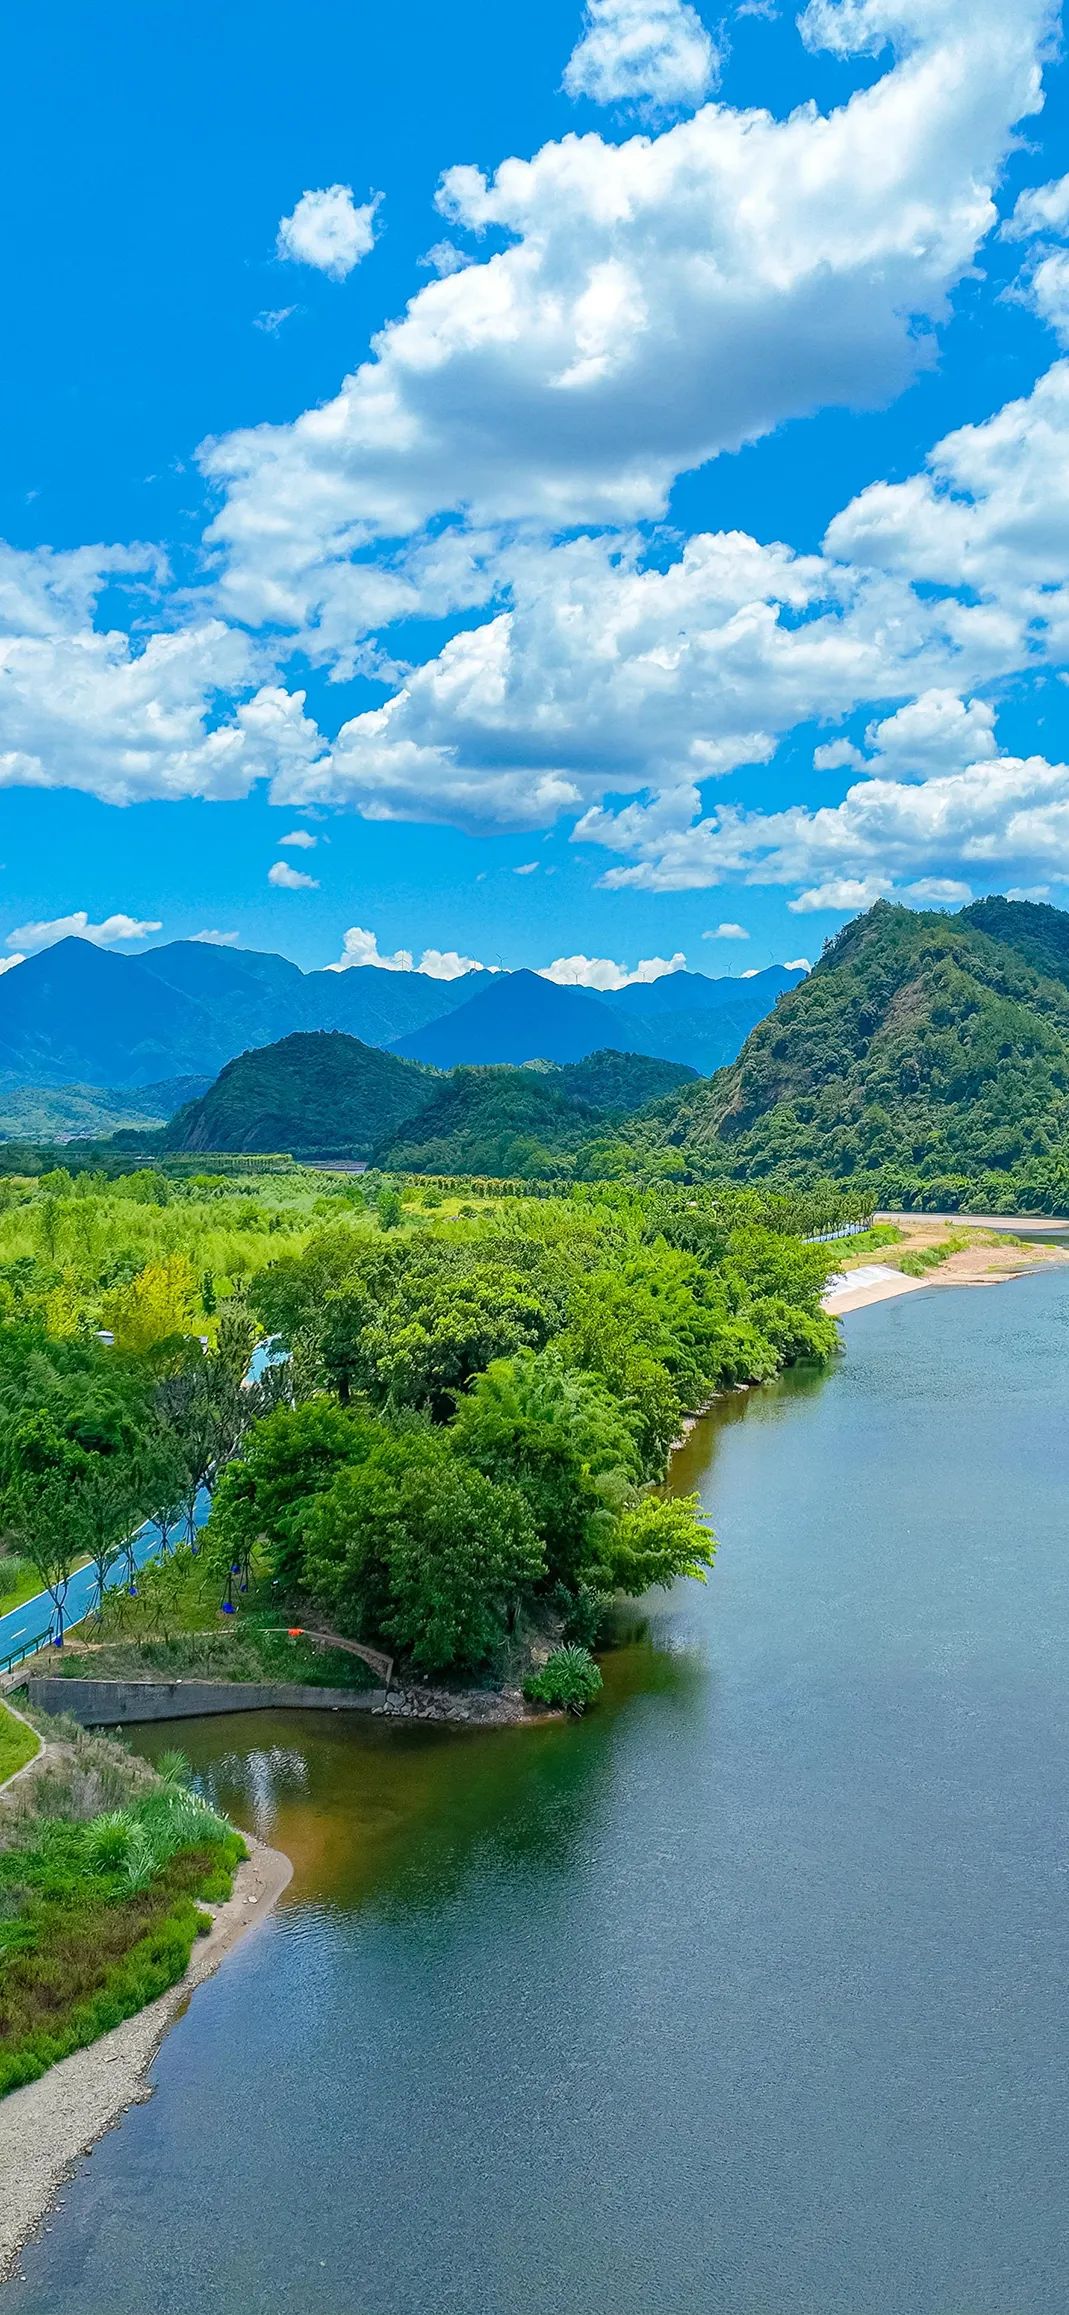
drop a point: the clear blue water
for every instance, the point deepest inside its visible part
(747, 1995)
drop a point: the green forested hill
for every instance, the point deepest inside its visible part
(1038, 933)
(922, 1050)
(318, 1092)
(525, 1122)
(618, 1083)
(493, 1121)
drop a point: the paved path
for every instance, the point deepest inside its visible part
(27, 1627)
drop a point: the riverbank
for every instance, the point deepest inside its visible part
(978, 1253)
(47, 2127)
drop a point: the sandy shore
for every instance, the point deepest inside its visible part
(875, 1283)
(986, 1260)
(46, 2128)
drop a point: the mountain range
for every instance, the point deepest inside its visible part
(99, 1023)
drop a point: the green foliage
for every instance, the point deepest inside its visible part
(527, 1122)
(657, 1541)
(318, 1092)
(98, 1917)
(18, 1744)
(569, 1680)
(290, 1458)
(927, 1056)
(559, 1436)
(415, 1546)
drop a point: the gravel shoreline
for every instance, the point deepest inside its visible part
(47, 2127)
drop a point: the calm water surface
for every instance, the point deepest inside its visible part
(745, 1997)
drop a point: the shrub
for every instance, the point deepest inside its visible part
(569, 1680)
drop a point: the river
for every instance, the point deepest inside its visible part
(746, 1995)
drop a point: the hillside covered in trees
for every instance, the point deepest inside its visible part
(527, 1123)
(927, 1053)
(318, 1093)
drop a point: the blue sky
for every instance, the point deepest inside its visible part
(698, 547)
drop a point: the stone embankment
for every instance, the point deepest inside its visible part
(126, 1703)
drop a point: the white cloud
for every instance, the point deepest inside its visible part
(652, 56)
(528, 868)
(446, 965)
(1005, 811)
(329, 231)
(845, 894)
(300, 839)
(658, 301)
(1028, 892)
(7, 964)
(444, 257)
(797, 965)
(601, 973)
(727, 932)
(990, 514)
(938, 892)
(124, 719)
(837, 756)
(362, 948)
(1042, 209)
(289, 879)
(217, 940)
(934, 733)
(271, 320)
(31, 937)
(1047, 292)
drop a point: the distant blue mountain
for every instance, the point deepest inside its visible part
(77, 1015)
(519, 1017)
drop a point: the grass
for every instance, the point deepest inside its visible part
(174, 1630)
(17, 1588)
(104, 1871)
(920, 1259)
(18, 1744)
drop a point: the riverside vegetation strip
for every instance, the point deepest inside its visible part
(104, 1871)
(458, 1460)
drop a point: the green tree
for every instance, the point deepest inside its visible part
(657, 1541)
(289, 1460)
(414, 1546)
(559, 1436)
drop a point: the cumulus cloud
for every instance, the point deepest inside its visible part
(581, 972)
(300, 839)
(289, 879)
(1007, 811)
(447, 965)
(797, 965)
(217, 940)
(938, 892)
(361, 947)
(845, 894)
(652, 56)
(727, 932)
(1042, 209)
(934, 733)
(329, 231)
(32, 937)
(121, 718)
(657, 301)
(837, 756)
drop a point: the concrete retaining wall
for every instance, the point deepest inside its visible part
(111, 1703)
